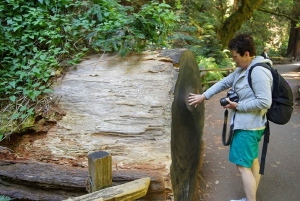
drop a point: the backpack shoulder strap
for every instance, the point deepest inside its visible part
(264, 149)
(265, 65)
(267, 129)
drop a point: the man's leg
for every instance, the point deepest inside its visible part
(255, 171)
(249, 183)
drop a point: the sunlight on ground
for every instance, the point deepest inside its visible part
(294, 75)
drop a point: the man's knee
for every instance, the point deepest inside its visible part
(242, 169)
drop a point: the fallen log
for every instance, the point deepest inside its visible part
(128, 191)
(30, 180)
(36, 181)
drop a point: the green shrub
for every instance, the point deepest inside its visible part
(39, 37)
(210, 63)
(145, 29)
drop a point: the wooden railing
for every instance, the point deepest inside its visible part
(203, 72)
(281, 60)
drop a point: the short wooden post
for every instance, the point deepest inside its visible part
(100, 171)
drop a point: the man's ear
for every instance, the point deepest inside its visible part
(247, 54)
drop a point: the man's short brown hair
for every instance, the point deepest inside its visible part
(243, 43)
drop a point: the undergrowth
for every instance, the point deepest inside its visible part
(43, 37)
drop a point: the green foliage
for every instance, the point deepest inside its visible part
(142, 30)
(197, 31)
(210, 63)
(269, 30)
(39, 37)
(201, 23)
(32, 46)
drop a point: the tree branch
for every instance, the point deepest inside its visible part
(265, 10)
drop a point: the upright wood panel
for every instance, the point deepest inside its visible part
(186, 131)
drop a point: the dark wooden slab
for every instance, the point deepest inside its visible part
(186, 131)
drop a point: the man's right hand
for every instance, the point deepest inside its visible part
(195, 99)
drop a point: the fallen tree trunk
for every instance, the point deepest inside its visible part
(31, 180)
(41, 181)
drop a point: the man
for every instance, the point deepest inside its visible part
(265, 53)
(250, 111)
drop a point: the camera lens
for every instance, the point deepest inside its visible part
(223, 101)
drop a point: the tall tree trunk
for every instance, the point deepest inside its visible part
(236, 20)
(293, 49)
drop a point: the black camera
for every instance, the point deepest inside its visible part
(232, 95)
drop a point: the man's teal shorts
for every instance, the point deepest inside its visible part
(244, 147)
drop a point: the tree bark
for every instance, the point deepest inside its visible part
(234, 22)
(186, 132)
(293, 49)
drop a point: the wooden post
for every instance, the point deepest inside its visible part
(100, 171)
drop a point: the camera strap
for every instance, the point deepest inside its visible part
(230, 135)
